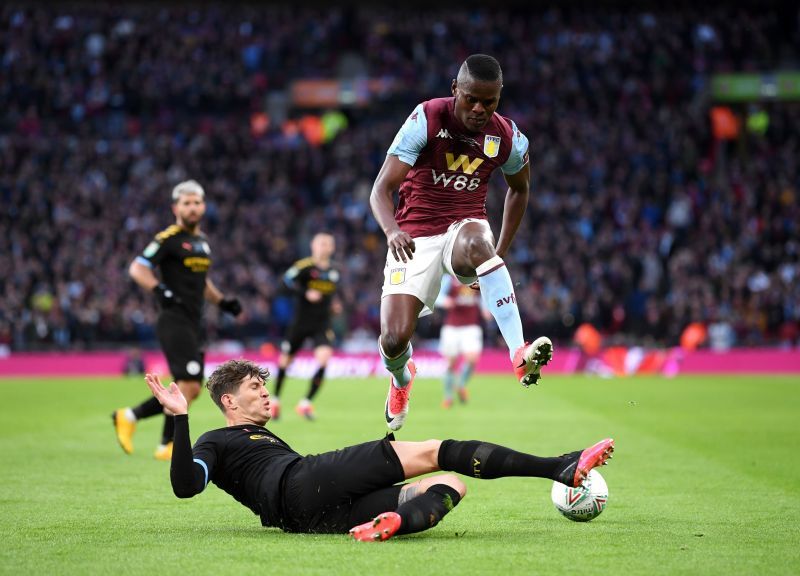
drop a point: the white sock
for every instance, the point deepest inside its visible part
(398, 367)
(497, 293)
(130, 415)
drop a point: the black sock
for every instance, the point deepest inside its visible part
(148, 408)
(487, 461)
(168, 434)
(426, 510)
(279, 381)
(316, 382)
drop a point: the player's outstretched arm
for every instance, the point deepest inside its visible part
(171, 398)
(187, 475)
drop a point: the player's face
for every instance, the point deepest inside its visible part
(476, 101)
(323, 246)
(252, 401)
(189, 210)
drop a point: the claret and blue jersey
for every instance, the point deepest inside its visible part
(451, 166)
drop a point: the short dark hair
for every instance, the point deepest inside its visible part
(227, 378)
(483, 67)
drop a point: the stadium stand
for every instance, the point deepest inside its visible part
(641, 221)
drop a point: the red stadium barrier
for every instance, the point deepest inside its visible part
(611, 362)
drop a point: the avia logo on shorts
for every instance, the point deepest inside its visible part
(443, 133)
(510, 299)
(397, 276)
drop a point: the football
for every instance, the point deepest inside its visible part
(583, 503)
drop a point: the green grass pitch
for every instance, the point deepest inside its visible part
(705, 480)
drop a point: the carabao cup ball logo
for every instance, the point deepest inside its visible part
(583, 503)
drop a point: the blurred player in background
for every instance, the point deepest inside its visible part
(461, 336)
(183, 256)
(313, 281)
(441, 161)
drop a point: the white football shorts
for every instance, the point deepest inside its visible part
(457, 340)
(422, 275)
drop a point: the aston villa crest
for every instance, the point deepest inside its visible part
(491, 146)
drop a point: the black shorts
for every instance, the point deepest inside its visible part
(182, 343)
(320, 334)
(330, 493)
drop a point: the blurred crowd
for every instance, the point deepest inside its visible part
(640, 222)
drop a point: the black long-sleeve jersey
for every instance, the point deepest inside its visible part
(246, 461)
(183, 259)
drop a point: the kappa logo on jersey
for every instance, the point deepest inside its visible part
(397, 276)
(466, 164)
(491, 146)
(413, 116)
(443, 133)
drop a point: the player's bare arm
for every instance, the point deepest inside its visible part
(391, 175)
(514, 208)
(211, 293)
(143, 276)
(171, 397)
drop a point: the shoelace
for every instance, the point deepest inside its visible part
(398, 399)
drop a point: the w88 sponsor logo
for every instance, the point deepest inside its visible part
(459, 182)
(463, 163)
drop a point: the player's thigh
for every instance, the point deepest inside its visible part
(456, 258)
(181, 342)
(421, 276)
(322, 353)
(320, 489)
(417, 458)
(378, 502)
(347, 473)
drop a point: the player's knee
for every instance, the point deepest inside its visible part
(394, 343)
(478, 250)
(453, 482)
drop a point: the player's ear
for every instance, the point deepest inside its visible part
(453, 86)
(227, 401)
